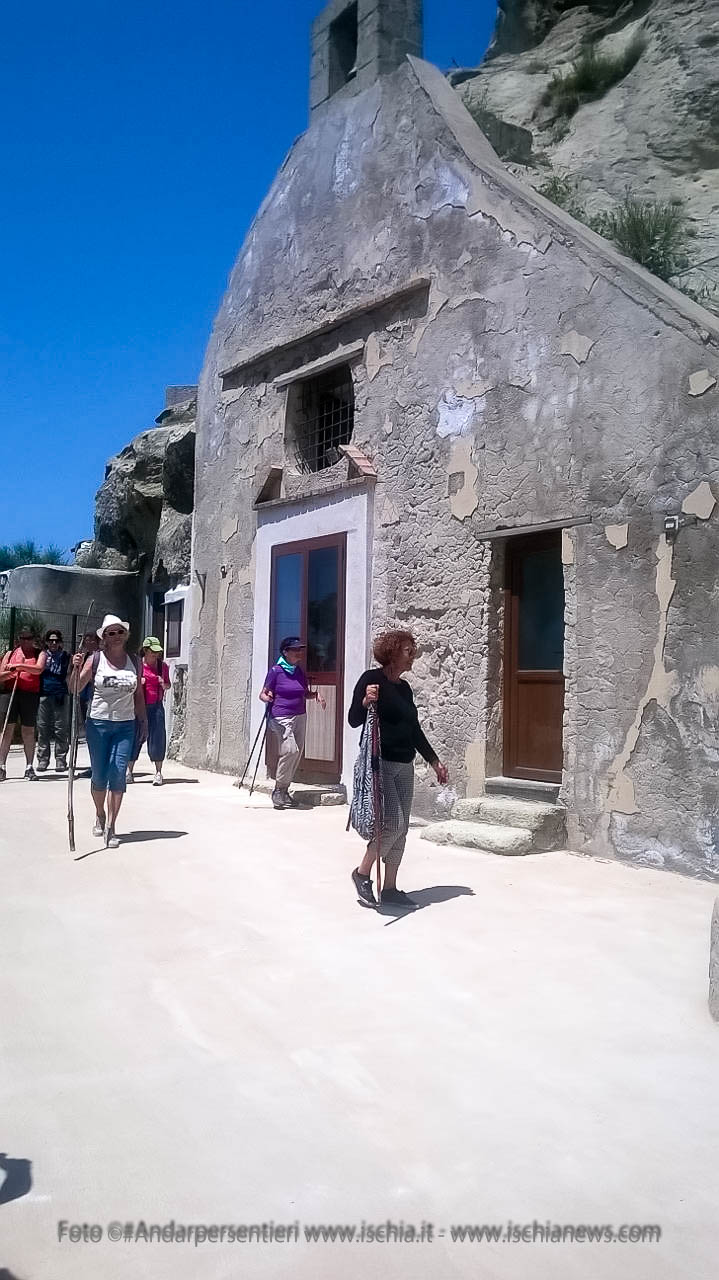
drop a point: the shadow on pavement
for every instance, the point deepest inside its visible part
(167, 782)
(132, 837)
(425, 898)
(18, 1179)
(135, 837)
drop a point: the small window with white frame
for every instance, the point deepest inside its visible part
(173, 623)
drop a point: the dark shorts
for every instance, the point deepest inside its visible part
(23, 707)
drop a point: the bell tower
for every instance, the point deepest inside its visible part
(356, 41)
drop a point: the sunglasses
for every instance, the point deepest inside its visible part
(54, 639)
(109, 634)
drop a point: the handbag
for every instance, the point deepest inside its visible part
(367, 807)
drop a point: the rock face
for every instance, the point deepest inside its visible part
(656, 131)
(143, 510)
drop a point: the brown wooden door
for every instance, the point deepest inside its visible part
(308, 600)
(534, 656)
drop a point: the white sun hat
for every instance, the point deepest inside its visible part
(112, 620)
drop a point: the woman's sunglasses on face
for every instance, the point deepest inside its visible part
(110, 634)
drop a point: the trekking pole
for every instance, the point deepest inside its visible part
(259, 754)
(9, 707)
(377, 795)
(74, 733)
(252, 752)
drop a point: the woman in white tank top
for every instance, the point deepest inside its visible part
(117, 702)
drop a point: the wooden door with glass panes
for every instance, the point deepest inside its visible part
(307, 599)
(534, 658)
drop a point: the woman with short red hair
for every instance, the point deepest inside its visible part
(401, 737)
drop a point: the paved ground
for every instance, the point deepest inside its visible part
(202, 1026)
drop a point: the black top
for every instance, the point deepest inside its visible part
(53, 681)
(398, 721)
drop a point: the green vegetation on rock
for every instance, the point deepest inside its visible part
(654, 233)
(592, 74)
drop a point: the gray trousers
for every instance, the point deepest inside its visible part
(53, 721)
(290, 732)
(398, 789)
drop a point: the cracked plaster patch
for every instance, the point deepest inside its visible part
(487, 202)
(436, 302)
(617, 535)
(230, 527)
(701, 502)
(577, 345)
(475, 763)
(661, 686)
(567, 547)
(462, 481)
(701, 382)
(709, 680)
(455, 415)
(473, 390)
(374, 359)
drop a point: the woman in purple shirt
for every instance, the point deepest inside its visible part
(286, 692)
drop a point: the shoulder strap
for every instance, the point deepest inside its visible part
(95, 662)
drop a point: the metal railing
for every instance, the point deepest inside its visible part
(13, 618)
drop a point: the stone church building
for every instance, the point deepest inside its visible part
(432, 399)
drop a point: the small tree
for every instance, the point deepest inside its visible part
(17, 553)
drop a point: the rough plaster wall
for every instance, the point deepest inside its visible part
(535, 383)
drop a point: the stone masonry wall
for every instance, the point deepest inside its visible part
(537, 379)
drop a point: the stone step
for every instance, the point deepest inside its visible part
(522, 789)
(509, 841)
(547, 822)
(309, 795)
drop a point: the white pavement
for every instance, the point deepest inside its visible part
(203, 1026)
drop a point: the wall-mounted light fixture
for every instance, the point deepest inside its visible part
(672, 524)
(223, 570)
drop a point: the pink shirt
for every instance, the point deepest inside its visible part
(154, 691)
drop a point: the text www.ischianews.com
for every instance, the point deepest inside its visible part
(389, 1232)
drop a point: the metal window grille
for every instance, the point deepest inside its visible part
(325, 419)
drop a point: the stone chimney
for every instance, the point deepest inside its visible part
(178, 395)
(356, 41)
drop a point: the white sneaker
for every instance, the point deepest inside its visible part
(157, 780)
(99, 828)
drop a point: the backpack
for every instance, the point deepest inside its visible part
(367, 808)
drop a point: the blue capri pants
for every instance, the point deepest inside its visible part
(110, 745)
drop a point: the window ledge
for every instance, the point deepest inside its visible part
(341, 355)
(360, 482)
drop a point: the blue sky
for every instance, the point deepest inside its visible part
(137, 142)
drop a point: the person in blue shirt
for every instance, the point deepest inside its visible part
(53, 718)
